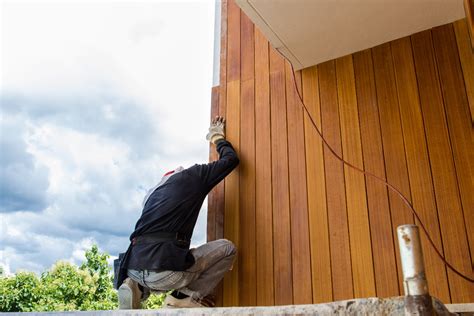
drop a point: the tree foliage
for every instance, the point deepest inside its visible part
(65, 287)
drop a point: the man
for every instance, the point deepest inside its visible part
(159, 258)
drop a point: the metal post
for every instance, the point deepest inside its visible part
(417, 297)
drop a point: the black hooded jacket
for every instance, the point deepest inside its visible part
(174, 208)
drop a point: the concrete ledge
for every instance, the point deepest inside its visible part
(369, 306)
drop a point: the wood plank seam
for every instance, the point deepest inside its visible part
(458, 189)
(418, 163)
(465, 66)
(442, 163)
(344, 183)
(305, 177)
(433, 197)
(444, 46)
(364, 176)
(325, 191)
(395, 245)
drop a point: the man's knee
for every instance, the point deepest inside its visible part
(228, 247)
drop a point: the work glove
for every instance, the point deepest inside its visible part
(216, 130)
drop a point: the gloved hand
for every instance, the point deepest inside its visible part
(216, 130)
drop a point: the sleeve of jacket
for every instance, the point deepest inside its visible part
(212, 173)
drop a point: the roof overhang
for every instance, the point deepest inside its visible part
(309, 32)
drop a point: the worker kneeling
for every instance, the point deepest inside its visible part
(158, 258)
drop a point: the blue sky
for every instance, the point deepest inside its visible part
(98, 100)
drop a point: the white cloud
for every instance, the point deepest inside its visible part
(102, 97)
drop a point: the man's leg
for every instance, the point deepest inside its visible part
(212, 261)
(131, 294)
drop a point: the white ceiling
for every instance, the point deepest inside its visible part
(309, 32)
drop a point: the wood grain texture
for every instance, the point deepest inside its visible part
(232, 184)
(281, 200)
(220, 188)
(335, 191)
(247, 268)
(457, 114)
(466, 54)
(319, 231)
(263, 174)
(442, 165)
(233, 41)
(392, 142)
(467, 62)
(316, 182)
(469, 10)
(383, 248)
(301, 258)
(212, 197)
(232, 191)
(357, 213)
(419, 165)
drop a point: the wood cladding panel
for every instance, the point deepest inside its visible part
(462, 142)
(263, 174)
(213, 195)
(316, 182)
(282, 263)
(310, 229)
(442, 166)
(466, 55)
(301, 258)
(392, 142)
(232, 189)
(247, 271)
(357, 213)
(232, 185)
(335, 190)
(383, 244)
(460, 129)
(418, 164)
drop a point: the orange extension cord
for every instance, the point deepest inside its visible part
(404, 199)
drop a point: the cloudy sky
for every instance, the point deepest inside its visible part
(98, 100)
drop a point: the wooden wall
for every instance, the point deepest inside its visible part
(310, 229)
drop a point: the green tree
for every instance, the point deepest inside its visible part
(19, 293)
(66, 287)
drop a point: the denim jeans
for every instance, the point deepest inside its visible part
(212, 261)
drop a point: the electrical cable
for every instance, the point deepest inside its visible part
(404, 199)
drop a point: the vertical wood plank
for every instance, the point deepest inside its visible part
(357, 213)
(212, 197)
(457, 114)
(247, 270)
(219, 189)
(383, 249)
(442, 166)
(316, 182)
(335, 191)
(263, 171)
(233, 41)
(232, 186)
(392, 142)
(232, 189)
(281, 204)
(418, 164)
(466, 54)
(467, 61)
(301, 259)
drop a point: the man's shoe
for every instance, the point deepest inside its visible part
(129, 295)
(188, 302)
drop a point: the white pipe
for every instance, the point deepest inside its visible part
(412, 260)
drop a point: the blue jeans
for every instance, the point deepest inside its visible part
(212, 261)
